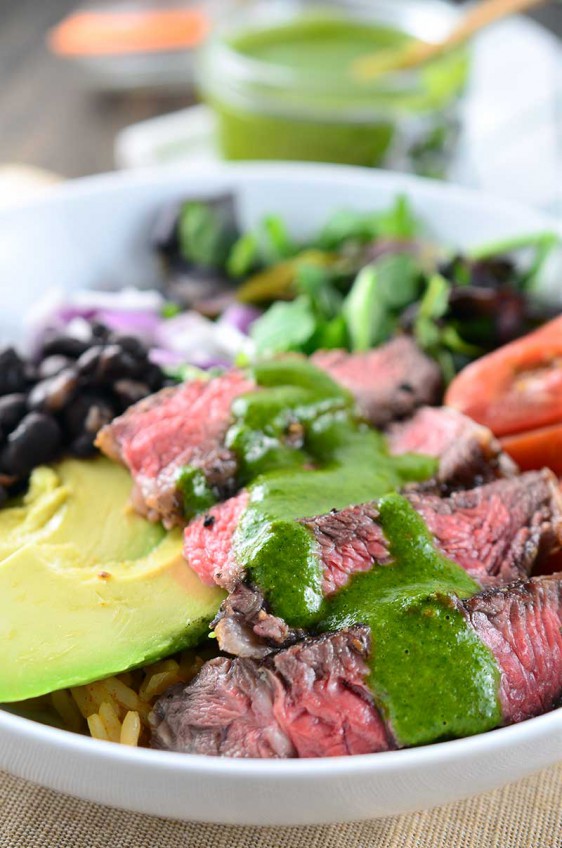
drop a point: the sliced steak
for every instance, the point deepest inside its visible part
(499, 531)
(348, 541)
(522, 626)
(310, 700)
(209, 543)
(389, 382)
(468, 453)
(496, 532)
(177, 427)
(245, 627)
(186, 426)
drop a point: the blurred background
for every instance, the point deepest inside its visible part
(111, 84)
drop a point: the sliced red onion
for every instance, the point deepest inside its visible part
(141, 324)
(207, 362)
(128, 311)
(68, 313)
(165, 358)
(186, 338)
(240, 316)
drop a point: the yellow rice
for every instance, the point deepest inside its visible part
(117, 709)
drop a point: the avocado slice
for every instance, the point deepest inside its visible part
(88, 588)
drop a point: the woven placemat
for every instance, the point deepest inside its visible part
(525, 815)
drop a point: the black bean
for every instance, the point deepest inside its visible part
(153, 376)
(82, 446)
(52, 365)
(85, 411)
(87, 364)
(35, 440)
(31, 372)
(98, 416)
(12, 372)
(66, 346)
(55, 393)
(100, 333)
(12, 409)
(115, 364)
(130, 391)
(132, 345)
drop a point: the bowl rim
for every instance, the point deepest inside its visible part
(388, 762)
(255, 171)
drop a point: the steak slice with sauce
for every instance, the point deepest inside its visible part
(496, 532)
(522, 626)
(186, 426)
(468, 453)
(388, 382)
(176, 427)
(310, 700)
(499, 531)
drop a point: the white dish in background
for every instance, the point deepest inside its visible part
(512, 121)
(95, 231)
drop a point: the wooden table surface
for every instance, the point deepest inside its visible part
(47, 119)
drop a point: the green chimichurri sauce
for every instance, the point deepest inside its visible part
(339, 461)
(295, 97)
(302, 452)
(272, 426)
(431, 675)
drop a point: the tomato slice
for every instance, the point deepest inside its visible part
(517, 387)
(536, 448)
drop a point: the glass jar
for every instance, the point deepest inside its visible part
(278, 76)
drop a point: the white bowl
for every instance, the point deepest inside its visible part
(95, 231)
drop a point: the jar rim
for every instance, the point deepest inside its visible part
(430, 22)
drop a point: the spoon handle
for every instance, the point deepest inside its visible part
(478, 17)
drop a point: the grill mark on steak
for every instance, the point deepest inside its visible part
(389, 382)
(497, 532)
(468, 453)
(522, 626)
(184, 425)
(309, 700)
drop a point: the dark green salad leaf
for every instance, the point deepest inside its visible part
(244, 255)
(366, 276)
(348, 226)
(539, 245)
(205, 234)
(286, 326)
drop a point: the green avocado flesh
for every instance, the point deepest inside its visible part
(431, 675)
(87, 587)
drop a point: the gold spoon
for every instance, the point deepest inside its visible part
(480, 15)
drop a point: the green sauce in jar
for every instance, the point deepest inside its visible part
(284, 89)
